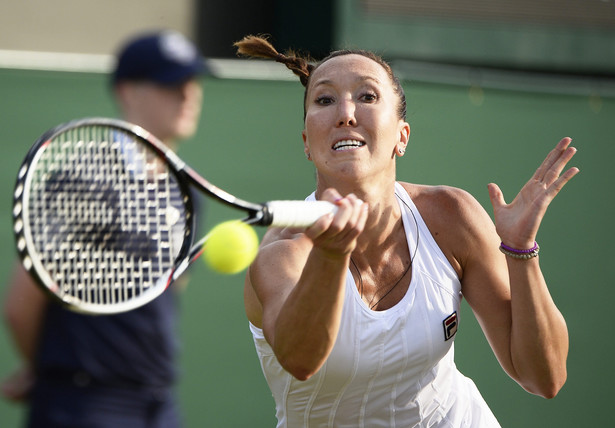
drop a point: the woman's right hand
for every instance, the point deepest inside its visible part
(336, 234)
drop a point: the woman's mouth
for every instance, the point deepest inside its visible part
(348, 145)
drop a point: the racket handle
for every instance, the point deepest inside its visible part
(298, 213)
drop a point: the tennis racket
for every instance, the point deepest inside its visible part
(104, 216)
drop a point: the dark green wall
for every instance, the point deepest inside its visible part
(566, 36)
(250, 144)
(308, 26)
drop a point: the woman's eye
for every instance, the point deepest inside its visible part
(324, 100)
(369, 97)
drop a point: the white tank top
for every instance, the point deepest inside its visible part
(391, 368)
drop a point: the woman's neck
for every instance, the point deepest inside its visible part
(384, 214)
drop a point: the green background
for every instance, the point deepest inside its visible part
(249, 143)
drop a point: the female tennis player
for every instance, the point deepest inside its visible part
(354, 318)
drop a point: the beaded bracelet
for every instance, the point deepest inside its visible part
(520, 254)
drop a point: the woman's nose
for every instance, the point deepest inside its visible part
(347, 114)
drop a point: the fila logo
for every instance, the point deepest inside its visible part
(450, 326)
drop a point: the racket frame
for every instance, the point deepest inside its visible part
(25, 242)
(273, 213)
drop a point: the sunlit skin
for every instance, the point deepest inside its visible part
(295, 288)
(358, 105)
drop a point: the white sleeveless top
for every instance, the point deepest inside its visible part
(391, 368)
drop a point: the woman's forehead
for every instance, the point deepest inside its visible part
(347, 65)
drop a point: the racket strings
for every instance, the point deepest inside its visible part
(107, 218)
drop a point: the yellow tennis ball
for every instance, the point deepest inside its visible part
(230, 247)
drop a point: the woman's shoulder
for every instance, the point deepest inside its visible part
(440, 198)
(283, 244)
(454, 218)
(283, 236)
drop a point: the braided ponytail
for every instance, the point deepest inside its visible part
(259, 47)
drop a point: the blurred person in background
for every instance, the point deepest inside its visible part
(114, 370)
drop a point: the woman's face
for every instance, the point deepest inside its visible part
(352, 129)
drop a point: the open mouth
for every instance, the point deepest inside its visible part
(348, 145)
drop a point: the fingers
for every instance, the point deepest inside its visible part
(338, 232)
(495, 195)
(350, 216)
(549, 174)
(561, 181)
(553, 165)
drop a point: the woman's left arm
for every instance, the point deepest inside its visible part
(509, 295)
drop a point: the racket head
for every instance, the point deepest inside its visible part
(101, 218)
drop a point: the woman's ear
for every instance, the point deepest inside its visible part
(404, 136)
(306, 146)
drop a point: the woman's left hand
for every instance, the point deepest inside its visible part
(517, 223)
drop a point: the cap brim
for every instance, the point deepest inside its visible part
(179, 75)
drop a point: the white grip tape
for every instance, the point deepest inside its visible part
(298, 213)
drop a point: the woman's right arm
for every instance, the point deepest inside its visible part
(298, 281)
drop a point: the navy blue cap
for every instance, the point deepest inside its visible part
(166, 57)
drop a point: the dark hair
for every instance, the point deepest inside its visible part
(303, 67)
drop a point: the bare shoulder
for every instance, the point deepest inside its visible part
(440, 202)
(281, 234)
(457, 221)
(280, 244)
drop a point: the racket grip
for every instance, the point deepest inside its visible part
(298, 213)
